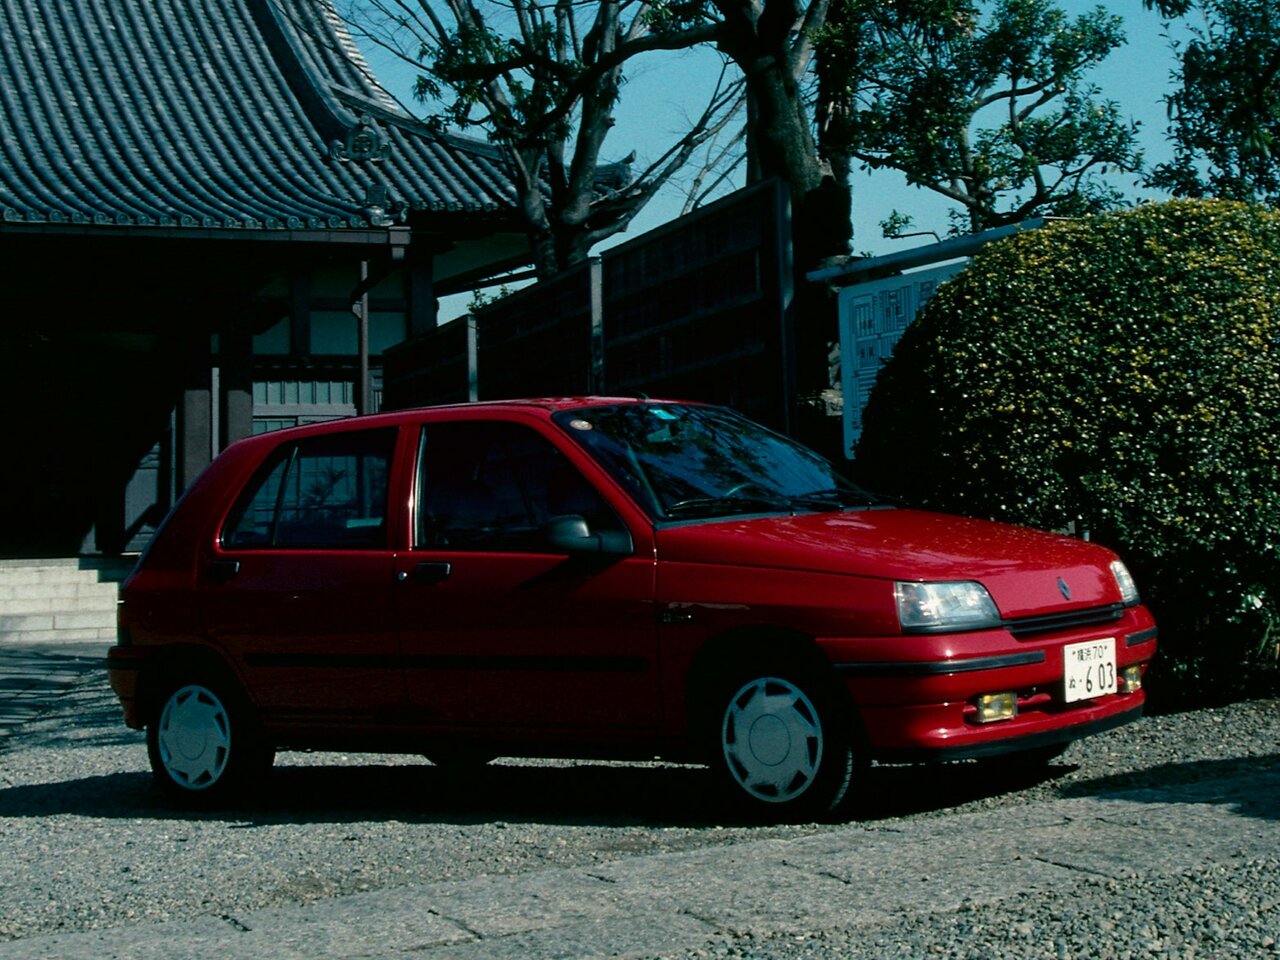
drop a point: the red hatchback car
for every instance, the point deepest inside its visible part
(605, 577)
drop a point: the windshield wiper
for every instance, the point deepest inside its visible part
(836, 498)
(728, 504)
(748, 503)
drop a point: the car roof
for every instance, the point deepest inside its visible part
(546, 405)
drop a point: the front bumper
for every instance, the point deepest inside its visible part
(917, 696)
(1013, 738)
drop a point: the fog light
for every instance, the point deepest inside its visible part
(997, 706)
(1131, 679)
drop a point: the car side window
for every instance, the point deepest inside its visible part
(494, 486)
(318, 493)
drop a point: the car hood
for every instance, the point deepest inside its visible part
(1026, 571)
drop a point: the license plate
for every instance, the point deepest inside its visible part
(1089, 669)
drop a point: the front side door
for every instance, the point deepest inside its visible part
(300, 589)
(498, 629)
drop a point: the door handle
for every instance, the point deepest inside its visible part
(428, 571)
(223, 571)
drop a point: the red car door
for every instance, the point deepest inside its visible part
(499, 629)
(300, 590)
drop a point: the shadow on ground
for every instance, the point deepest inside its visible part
(1250, 784)
(565, 793)
(614, 794)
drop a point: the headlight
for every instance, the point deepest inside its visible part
(944, 606)
(1124, 580)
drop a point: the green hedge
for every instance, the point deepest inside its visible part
(1120, 374)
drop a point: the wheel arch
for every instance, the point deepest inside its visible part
(183, 660)
(743, 645)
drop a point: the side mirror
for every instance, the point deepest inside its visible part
(571, 534)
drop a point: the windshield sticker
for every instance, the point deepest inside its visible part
(661, 414)
(581, 424)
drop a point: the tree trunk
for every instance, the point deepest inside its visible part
(760, 40)
(542, 236)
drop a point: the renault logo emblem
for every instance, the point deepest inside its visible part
(1064, 589)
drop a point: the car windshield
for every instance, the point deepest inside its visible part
(689, 462)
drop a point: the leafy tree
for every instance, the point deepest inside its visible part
(896, 84)
(992, 113)
(543, 78)
(1225, 112)
(1120, 373)
(1169, 8)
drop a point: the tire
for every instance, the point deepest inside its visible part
(202, 741)
(784, 744)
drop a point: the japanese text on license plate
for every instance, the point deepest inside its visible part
(1089, 669)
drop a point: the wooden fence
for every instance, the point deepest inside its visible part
(699, 309)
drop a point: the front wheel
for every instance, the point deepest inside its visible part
(785, 746)
(201, 742)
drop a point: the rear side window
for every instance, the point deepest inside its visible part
(320, 493)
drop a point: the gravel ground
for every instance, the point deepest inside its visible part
(1214, 912)
(87, 842)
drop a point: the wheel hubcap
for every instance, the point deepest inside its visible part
(772, 739)
(194, 737)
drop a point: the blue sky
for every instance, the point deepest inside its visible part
(661, 91)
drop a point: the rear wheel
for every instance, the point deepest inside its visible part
(784, 742)
(202, 742)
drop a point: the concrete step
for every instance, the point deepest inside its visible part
(62, 570)
(61, 600)
(55, 592)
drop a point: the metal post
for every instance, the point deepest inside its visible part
(473, 358)
(595, 283)
(362, 342)
(195, 409)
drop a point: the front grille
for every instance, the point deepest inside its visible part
(1069, 620)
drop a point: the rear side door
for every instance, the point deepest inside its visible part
(500, 631)
(299, 589)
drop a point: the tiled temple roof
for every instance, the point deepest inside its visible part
(215, 114)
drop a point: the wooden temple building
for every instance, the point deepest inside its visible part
(213, 220)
